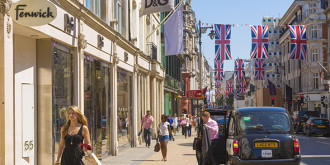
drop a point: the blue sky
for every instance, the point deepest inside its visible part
(240, 12)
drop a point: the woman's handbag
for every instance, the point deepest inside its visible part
(183, 122)
(157, 147)
(91, 159)
(197, 145)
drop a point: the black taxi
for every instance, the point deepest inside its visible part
(261, 135)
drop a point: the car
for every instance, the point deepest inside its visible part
(261, 135)
(302, 117)
(316, 125)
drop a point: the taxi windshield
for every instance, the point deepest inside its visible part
(256, 123)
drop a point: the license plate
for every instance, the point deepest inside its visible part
(266, 153)
(321, 126)
(265, 144)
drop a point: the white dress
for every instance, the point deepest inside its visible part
(175, 122)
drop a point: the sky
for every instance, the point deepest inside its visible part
(239, 12)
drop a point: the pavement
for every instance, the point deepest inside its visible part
(179, 151)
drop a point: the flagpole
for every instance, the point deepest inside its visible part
(164, 20)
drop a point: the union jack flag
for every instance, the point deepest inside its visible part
(242, 87)
(259, 41)
(218, 93)
(222, 42)
(230, 86)
(239, 69)
(259, 69)
(218, 83)
(298, 42)
(218, 70)
(235, 94)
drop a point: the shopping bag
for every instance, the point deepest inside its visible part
(91, 159)
(139, 133)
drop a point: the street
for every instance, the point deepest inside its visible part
(314, 150)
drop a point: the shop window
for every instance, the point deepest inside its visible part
(124, 108)
(62, 89)
(97, 104)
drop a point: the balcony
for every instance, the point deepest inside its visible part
(152, 50)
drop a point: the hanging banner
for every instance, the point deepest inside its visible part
(239, 69)
(218, 70)
(259, 41)
(193, 94)
(298, 42)
(174, 33)
(33, 12)
(156, 6)
(222, 42)
(259, 72)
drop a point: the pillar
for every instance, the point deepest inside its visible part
(6, 90)
(135, 105)
(113, 88)
(153, 104)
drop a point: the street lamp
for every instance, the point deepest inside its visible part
(211, 35)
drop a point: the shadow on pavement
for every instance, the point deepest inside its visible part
(146, 160)
(186, 144)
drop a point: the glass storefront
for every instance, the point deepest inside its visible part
(97, 104)
(62, 89)
(124, 109)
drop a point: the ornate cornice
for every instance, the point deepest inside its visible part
(5, 6)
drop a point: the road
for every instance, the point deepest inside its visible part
(315, 150)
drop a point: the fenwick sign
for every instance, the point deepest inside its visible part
(33, 12)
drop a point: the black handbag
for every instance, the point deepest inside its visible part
(157, 147)
(197, 145)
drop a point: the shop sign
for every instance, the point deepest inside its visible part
(191, 94)
(33, 12)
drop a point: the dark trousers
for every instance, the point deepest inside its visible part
(182, 127)
(185, 130)
(210, 158)
(147, 133)
(189, 130)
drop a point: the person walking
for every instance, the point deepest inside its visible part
(163, 133)
(74, 132)
(190, 123)
(170, 120)
(212, 127)
(146, 124)
(185, 125)
(175, 124)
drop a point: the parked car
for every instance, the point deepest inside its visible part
(261, 135)
(302, 117)
(316, 125)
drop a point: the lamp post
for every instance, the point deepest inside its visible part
(212, 35)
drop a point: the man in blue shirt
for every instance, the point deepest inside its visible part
(170, 120)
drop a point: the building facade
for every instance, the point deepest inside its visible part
(95, 55)
(305, 76)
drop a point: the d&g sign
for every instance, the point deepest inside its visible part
(33, 12)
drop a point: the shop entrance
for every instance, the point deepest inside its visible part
(97, 104)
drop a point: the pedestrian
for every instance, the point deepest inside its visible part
(212, 127)
(170, 120)
(146, 124)
(185, 125)
(175, 124)
(190, 123)
(74, 132)
(163, 133)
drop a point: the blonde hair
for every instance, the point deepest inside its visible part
(81, 119)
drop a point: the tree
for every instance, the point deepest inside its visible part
(230, 100)
(219, 101)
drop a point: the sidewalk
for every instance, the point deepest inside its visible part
(179, 152)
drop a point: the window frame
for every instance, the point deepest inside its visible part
(314, 31)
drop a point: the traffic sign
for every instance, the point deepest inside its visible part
(192, 94)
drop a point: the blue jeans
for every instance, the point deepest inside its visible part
(164, 138)
(147, 133)
(189, 130)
